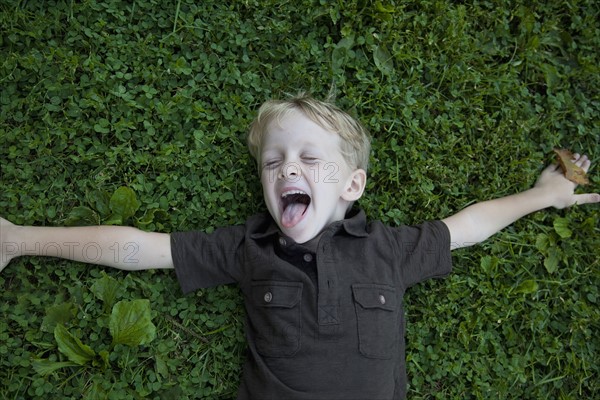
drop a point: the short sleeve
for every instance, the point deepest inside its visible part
(204, 260)
(422, 252)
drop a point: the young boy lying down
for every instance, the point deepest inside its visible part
(323, 287)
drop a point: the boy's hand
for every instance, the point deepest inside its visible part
(5, 257)
(560, 190)
(481, 220)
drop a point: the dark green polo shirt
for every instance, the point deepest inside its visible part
(323, 321)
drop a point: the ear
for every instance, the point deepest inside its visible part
(355, 185)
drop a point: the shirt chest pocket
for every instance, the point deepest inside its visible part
(377, 319)
(275, 317)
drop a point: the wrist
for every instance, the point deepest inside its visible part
(541, 197)
(10, 244)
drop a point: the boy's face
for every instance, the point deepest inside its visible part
(306, 181)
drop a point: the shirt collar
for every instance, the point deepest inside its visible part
(262, 226)
(354, 224)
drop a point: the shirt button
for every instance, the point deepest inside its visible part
(382, 299)
(308, 257)
(282, 241)
(268, 297)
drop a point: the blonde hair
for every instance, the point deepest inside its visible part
(355, 143)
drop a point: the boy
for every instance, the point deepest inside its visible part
(323, 288)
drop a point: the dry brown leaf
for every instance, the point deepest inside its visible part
(572, 171)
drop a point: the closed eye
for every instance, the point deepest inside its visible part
(310, 160)
(270, 164)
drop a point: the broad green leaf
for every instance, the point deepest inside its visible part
(95, 392)
(542, 242)
(380, 7)
(151, 215)
(551, 261)
(342, 53)
(46, 367)
(528, 286)
(464, 333)
(100, 129)
(527, 19)
(383, 60)
(551, 74)
(106, 289)
(99, 200)
(72, 347)
(161, 366)
(489, 264)
(82, 215)
(114, 219)
(102, 126)
(58, 314)
(334, 15)
(347, 42)
(339, 58)
(130, 323)
(51, 212)
(124, 203)
(226, 196)
(561, 226)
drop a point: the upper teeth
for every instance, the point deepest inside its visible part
(290, 192)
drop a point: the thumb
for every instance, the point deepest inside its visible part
(586, 198)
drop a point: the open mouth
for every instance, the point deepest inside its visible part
(294, 204)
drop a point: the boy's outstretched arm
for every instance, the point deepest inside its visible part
(113, 246)
(476, 223)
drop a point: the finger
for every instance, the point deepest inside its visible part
(586, 165)
(551, 168)
(583, 162)
(587, 198)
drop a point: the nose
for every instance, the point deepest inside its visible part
(290, 171)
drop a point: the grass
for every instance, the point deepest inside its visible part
(465, 103)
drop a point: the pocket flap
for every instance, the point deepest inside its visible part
(375, 296)
(276, 294)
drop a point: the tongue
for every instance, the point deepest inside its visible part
(292, 214)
